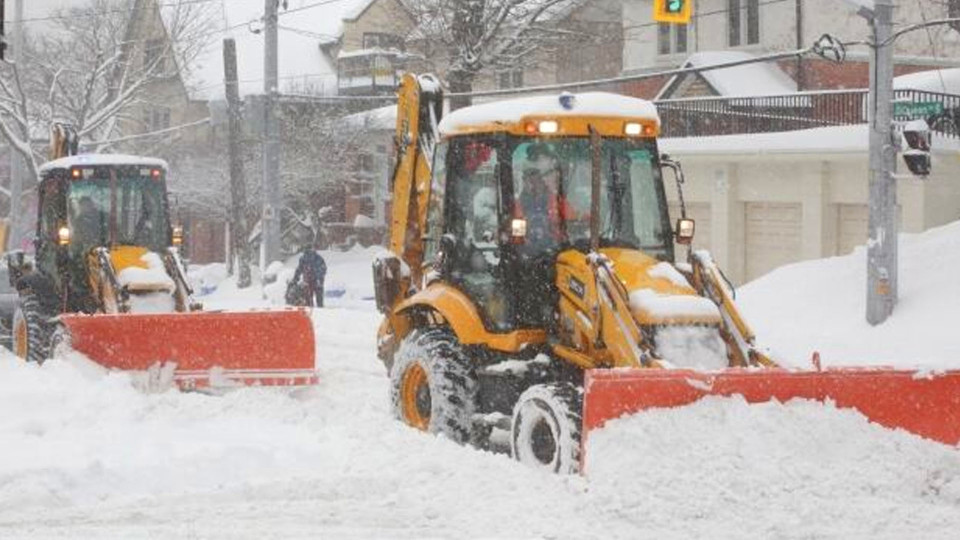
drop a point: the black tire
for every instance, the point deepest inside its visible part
(31, 336)
(545, 432)
(433, 385)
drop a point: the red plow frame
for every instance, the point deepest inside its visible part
(924, 403)
(209, 349)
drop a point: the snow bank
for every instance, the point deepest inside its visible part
(724, 469)
(821, 306)
(349, 282)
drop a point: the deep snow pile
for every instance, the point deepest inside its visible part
(84, 454)
(821, 306)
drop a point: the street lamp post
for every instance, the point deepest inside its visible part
(882, 226)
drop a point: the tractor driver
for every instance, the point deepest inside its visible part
(87, 222)
(542, 203)
(543, 206)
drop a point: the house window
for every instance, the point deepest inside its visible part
(153, 55)
(380, 40)
(511, 79)
(671, 38)
(680, 44)
(156, 118)
(364, 163)
(753, 21)
(663, 38)
(743, 19)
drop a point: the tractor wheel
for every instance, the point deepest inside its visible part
(30, 334)
(545, 432)
(433, 385)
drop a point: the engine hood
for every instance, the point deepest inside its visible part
(659, 294)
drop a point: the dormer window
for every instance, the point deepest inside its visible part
(380, 40)
(153, 57)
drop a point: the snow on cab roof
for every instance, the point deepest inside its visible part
(514, 110)
(101, 159)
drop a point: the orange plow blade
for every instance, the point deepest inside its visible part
(924, 403)
(202, 349)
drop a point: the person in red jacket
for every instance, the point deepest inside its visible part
(542, 203)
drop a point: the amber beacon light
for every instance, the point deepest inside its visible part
(672, 11)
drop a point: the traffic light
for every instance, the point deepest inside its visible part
(917, 153)
(3, 37)
(672, 11)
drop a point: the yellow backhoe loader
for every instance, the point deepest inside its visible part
(532, 252)
(107, 279)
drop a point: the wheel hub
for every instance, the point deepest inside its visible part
(543, 443)
(415, 397)
(20, 339)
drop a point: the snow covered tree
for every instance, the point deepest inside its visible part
(92, 67)
(476, 35)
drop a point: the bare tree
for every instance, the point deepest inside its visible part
(476, 35)
(91, 66)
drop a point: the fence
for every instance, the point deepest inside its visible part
(701, 117)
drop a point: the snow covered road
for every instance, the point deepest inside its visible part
(83, 455)
(87, 456)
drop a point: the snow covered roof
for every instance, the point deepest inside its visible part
(383, 118)
(827, 140)
(40, 15)
(586, 104)
(304, 27)
(946, 81)
(760, 79)
(102, 159)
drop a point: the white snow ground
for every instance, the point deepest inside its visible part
(83, 455)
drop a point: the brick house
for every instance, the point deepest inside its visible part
(758, 27)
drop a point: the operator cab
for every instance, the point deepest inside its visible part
(91, 201)
(512, 188)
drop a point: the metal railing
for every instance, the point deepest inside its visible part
(702, 117)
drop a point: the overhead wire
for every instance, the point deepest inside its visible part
(97, 13)
(933, 47)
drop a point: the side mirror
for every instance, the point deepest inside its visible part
(685, 230)
(446, 253)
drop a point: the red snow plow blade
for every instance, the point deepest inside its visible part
(202, 349)
(924, 403)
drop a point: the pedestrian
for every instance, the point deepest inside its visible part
(313, 269)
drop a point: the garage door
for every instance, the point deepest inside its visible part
(773, 237)
(700, 212)
(851, 227)
(852, 223)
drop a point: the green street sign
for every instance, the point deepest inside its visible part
(921, 109)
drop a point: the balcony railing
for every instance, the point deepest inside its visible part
(701, 117)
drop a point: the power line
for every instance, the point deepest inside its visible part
(150, 133)
(706, 14)
(91, 13)
(933, 47)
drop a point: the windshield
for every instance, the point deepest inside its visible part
(552, 186)
(132, 214)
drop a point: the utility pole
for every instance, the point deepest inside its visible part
(238, 190)
(270, 226)
(17, 167)
(882, 228)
